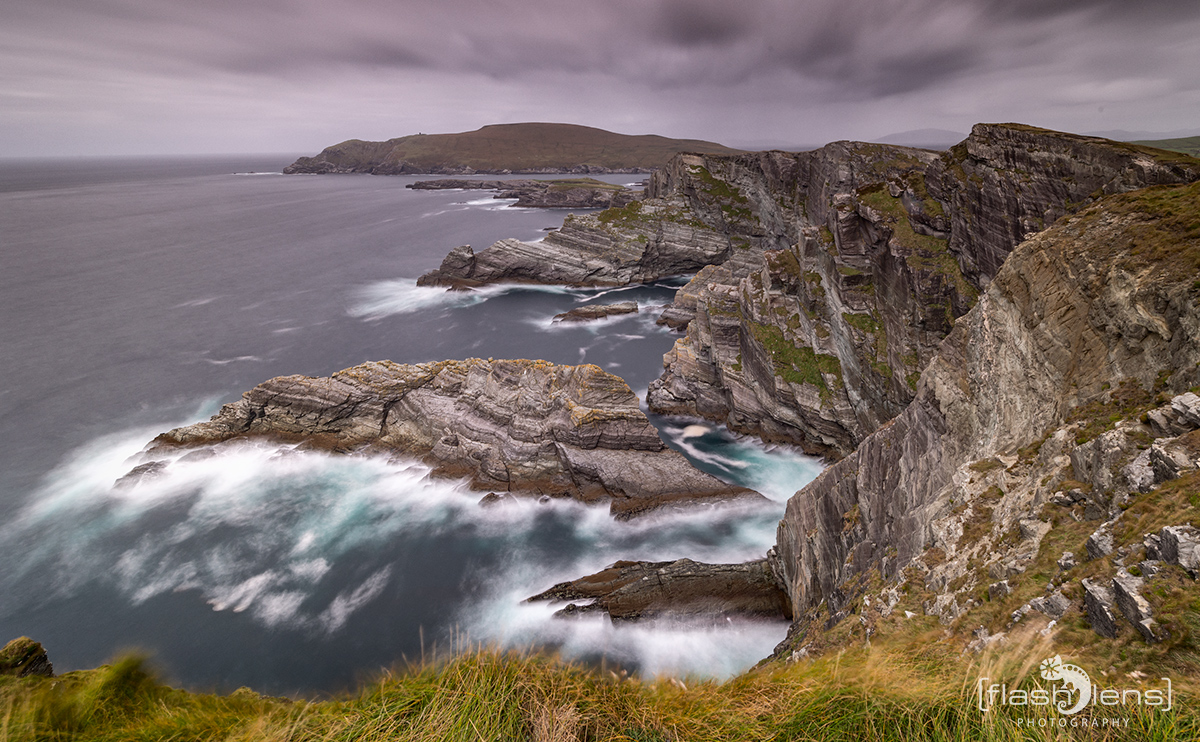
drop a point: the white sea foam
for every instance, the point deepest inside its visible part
(302, 541)
(403, 296)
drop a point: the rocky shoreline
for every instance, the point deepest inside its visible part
(861, 301)
(998, 347)
(529, 428)
(577, 193)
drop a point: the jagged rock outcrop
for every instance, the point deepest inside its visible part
(582, 193)
(593, 312)
(1101, 309)
(643, 590)
(527, 427)
(825, 339)
(23, 657)
(700, 219)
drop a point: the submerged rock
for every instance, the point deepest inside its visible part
(683, 588)
(519, 426)
(597, 311)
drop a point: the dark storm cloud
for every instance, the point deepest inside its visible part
(710, 63)
(867, 48)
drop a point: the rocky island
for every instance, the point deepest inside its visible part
(508, 426)
(504, 149)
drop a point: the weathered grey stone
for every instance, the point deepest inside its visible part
(998, 590)
(1127, 590)
(1168, 461)
(1067, 561)
(1098, 603)
(1055, 605)
(1100, 543)
(1180, 545)
(1153, 544)
(1187, 406)
(1139, 474)
(525, 427)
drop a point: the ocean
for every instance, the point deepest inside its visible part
(137, 295)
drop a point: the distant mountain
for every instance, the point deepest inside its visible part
(924, 138)
(1122, 135)
(506, 148)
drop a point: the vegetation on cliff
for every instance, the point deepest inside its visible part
(919, 689)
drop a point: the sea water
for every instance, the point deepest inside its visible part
(139, 295)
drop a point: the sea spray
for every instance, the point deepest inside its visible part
(303, 541)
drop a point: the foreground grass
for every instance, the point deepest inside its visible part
(881, 693)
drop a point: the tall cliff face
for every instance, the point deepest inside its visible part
(1106, 300)
(1007, 181)
(821, 342)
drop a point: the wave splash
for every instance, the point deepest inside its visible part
(306, 542)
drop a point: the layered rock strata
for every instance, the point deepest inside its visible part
(1098, 313)
(692, 218)
(594, 312)
(825, 340)
(629, 591)
(518, 426)
(585, 193)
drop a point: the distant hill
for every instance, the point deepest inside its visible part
(1187, 145)
(505, 148)
(924, 138)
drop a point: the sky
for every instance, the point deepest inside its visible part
(119, 77)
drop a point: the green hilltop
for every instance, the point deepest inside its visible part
(528, 147)
(1187, 145)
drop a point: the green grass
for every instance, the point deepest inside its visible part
(1160, 231)
(1186, 145)
(925, 253)
(797, 365)
(920, 690)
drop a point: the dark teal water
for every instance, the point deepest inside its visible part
(140, 295)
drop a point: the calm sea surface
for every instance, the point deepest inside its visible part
(138, 295)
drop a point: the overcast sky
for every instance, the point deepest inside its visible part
(208, 76)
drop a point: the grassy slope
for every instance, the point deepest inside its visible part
(523, 147)
(919, 690)
(1187, 145)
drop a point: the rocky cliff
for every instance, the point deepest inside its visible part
(691, 218)
(1046, 416)
(825, 280)
(526, 427)
(822, 341)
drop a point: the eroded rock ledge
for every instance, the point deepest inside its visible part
(521, 426)
(629, 591)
